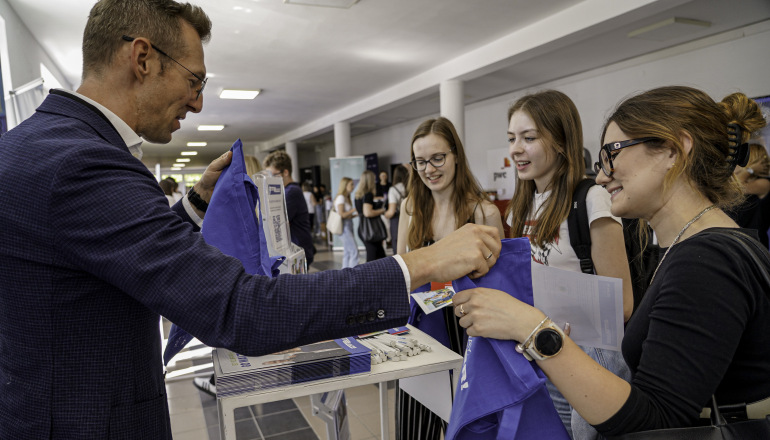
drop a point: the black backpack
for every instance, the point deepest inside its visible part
(641, 262)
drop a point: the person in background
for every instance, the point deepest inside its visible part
(443, 196)
(396, 194)
(545, 140)
(364, 202)
(278, 164)
(752, 212)
(252, 165)
(167, 188)
(703, 326)
(383, 186)
(320, 212)
(311, 203)
(175, 193)
(345, 209)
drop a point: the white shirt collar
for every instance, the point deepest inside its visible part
(132, 140)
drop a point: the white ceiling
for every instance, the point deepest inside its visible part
(380, 62)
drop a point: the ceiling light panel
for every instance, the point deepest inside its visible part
(344, 4)
(239, 94)
(669, 28)
(183, 160)
(211, 127)
(189, 153)
(197, 144)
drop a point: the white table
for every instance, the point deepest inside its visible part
(440, 359)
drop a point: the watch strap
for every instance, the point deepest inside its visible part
(529, 347)
(195, 199)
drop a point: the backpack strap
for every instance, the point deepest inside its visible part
(579, 229)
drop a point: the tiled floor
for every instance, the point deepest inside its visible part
(194, 413)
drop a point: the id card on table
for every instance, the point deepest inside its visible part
(439, 296)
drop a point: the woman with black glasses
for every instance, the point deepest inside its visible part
(443, 196)
(703, 327)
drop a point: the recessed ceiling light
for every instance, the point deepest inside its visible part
(211, 127)
(325, 3)
(179, 164)
(239, 94)
(674, 27)
(196, 144)
(189, 153)
(183, 160)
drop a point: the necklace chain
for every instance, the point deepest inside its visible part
(676, 239)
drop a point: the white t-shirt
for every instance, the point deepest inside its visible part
(340, 200)
(559, 253)
(309, 201)
(394, 196)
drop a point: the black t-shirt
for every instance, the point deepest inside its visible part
(359, 203)
(702, 328)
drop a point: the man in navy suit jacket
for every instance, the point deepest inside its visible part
(91, 254)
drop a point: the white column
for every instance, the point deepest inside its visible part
(157, 172)
(342, 139)
(451, 95)
(291, 150)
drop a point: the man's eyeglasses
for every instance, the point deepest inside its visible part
(202, 80)
(437, 160)
(608, 152)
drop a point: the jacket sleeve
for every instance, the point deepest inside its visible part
(114, 223)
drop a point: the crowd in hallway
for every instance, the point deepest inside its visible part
(95, 257)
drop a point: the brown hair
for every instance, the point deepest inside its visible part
(157, 20)
(558, 123)
(167, 186)
(401, 175)
(279, 160)
(467, 191)
(668, 112)
(367, 184)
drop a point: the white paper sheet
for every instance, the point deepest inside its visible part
(592, 304)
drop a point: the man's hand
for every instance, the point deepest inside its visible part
(470, 250)
(205, 186)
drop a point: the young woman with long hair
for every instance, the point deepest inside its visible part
(443, 196)
(703, 326)
(545, 138)
(345, 209)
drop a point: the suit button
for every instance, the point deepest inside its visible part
(361, 318)
(351, 319)
(370, 316)
(381, 314)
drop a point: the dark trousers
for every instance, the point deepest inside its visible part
(394, 233)
(374, 250)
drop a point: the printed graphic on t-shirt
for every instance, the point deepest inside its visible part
(540, 255)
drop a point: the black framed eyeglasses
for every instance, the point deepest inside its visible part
(202, 80)
(608, 152)
(437, 160)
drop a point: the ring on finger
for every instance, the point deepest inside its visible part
(490, 255)
(462, 312)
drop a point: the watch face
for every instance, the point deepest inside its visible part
(548, 342)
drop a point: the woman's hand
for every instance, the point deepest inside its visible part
(495, 314)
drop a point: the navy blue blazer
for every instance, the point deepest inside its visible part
(91, 255)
